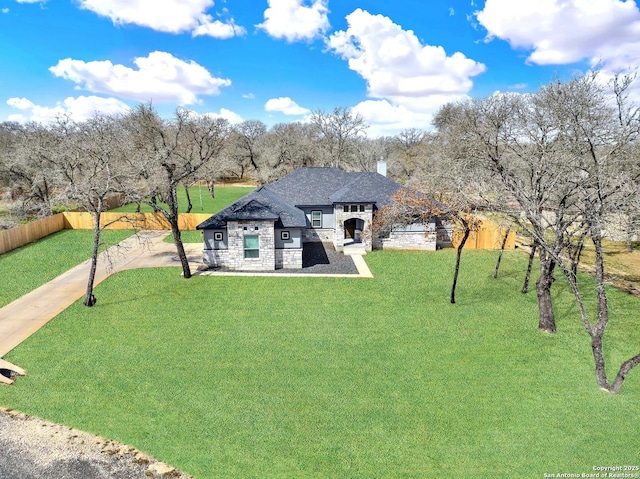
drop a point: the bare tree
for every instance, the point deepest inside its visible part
(600, 131)
(411, 206)
(566, 155)
(336, 133)
(167, 153)
(514, 138)
(287, 146)
(29, 168)
(243, 149)
(89, 169)
(410, 154)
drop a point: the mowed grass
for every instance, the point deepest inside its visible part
(254, 377)
(24, 269)
(200, 199)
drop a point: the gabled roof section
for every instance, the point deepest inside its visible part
(366, 188)
(326, 186)
(310, 186)
(260, 204)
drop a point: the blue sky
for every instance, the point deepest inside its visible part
(394, 62)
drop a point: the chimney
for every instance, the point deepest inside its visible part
(382, 167)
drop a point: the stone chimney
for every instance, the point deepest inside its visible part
(382, 167)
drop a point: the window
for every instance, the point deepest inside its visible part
(251, 246)
(353, 208)
(217, 236)
(316, 219)
(284, 235)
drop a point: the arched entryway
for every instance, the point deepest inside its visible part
(353, 230)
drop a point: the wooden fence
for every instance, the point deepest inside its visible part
(138, 221)
(27, 233)
(489, 236)
(21, 235)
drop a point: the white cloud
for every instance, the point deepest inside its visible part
(31, 1)
(218, 29)
(294, 21)
(385, 119)
(160, 77)
(568, 31)
(5, 10)
(413, 79)
(230, 116)
(248, 96)
(285, 105)
(170, 16)
(78, 109)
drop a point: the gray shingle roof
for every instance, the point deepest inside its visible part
(326, 186)
(258, 205)
(366, 188)
(278, 201)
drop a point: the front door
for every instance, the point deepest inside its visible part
(350, 229)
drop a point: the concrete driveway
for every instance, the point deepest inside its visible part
(23, 317)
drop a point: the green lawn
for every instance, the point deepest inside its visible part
(276, 377)
(24, 269)
(200, 199)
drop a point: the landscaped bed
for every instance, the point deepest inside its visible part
(310, 377)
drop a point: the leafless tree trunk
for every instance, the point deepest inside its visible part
(527, 277)
(502, 246)
(547, 321)
(466, 232)
(189, 204)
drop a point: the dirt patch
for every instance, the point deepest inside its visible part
(31, 448)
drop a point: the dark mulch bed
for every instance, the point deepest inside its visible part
(322, 258)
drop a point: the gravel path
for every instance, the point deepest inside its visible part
(31, 448)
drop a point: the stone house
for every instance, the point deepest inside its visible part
(267, 228)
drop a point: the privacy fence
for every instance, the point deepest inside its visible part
(16, 237)
(490, 236)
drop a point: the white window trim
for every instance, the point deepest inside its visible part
(245, 249)
(314, 219)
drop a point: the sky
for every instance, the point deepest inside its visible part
(394, 62)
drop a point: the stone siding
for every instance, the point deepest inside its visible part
(233, 257)
(313, 235)
(410, 240)
(290, 258)
(341, 216)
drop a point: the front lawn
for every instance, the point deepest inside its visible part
(265, 377)
(24, 269)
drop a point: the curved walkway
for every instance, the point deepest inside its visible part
(24, 316)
